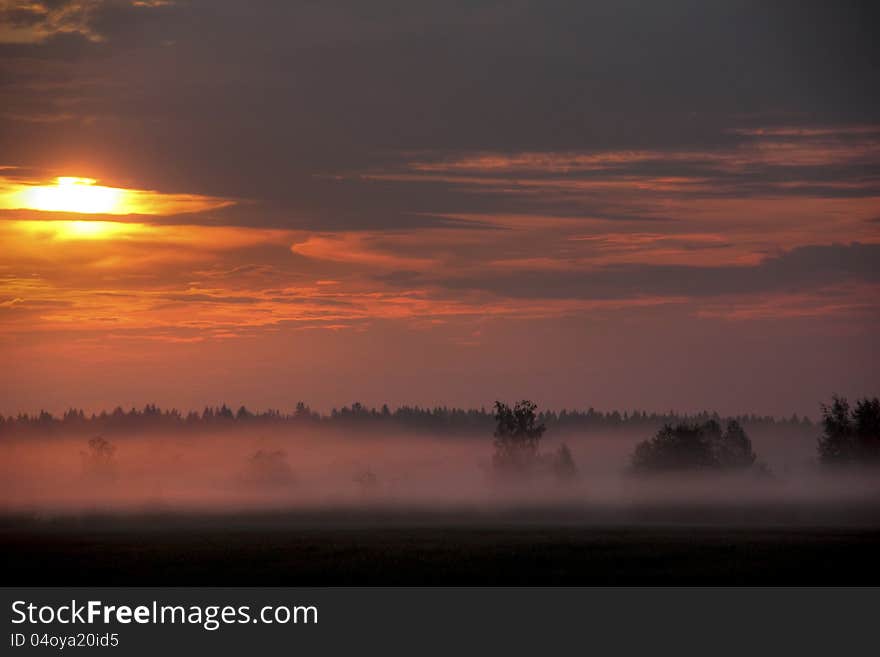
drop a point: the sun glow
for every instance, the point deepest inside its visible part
(70, 194)
(84, 196)
(82, 230)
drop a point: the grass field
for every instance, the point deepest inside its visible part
(396, 548)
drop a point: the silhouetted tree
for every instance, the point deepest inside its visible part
(517, 436)
(867, 417)
(695, 446)
(681, 447)
(850, 436)
(733, 448)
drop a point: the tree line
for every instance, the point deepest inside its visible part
(850, 436)
(440, 420)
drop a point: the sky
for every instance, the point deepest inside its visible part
(663, 206)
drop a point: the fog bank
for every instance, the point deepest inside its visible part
(259, 471)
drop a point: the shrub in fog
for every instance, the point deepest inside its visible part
(517, 437)
(269, 468)
(563, 464)
(732, 447)
(99, 459)
(695, 446)
(518, 434)
(367, 481)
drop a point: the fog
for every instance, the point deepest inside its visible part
(326, 471)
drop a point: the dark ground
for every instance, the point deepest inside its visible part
(360, 548)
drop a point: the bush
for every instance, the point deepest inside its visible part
(563, 464)
(517, 445)
(688, 446)
(367, 481)
(267, 468)
(99, 460)
(733, 448)
(517, 437)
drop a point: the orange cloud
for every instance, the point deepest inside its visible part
(91, 277)
(776, 146)
(35, 21)
(842, 302)
(32, 21)
(356, 248)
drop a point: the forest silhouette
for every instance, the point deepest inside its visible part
(701, 441)
(437, 420)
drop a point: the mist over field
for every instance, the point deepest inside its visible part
(321, 469)
(439, 496)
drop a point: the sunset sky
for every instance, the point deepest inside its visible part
(610, 204)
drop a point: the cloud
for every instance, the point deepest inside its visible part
(36, 21)
(356, 248)
(509, 85)
(31, 21)
(801, 268)
(768, 159)
(835, 302)
(78, 195)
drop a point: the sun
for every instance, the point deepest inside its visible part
(79, 195)
(71, 194)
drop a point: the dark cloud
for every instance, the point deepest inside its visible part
(223, 98)
(804, 268)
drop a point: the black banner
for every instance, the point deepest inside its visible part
(412, 621)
